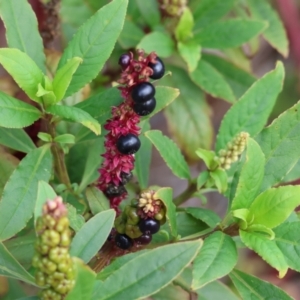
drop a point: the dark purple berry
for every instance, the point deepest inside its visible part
(158, 69)
(128, 144)
(114, 191)
(126, 177)
(144, 108)
(123, 241)
(144, 239)
(124, 61)
(142, 92)
(149, 226)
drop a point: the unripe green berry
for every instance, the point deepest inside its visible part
(50, 237)
(62, 224)
(65, 239)
(40, 278)
(133, 231)
(132, 216)
(59, 254)
(47, 266)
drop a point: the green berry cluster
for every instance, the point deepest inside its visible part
(173, 8)
(52, 259)
(233, 150)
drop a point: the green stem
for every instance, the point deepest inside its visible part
(187, 194)
(59, 157)
(198, 234)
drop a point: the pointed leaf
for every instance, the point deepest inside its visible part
(190, 51)
(94, 42)
(150, 11)
(206, 215)
(77, 115)
(253, 288)
(16, 139)
(166, 196)
(252, 111)
(97, 200)
(76, 220)
(212, 82)
(275, 34)
(160, 267)
(23, 70)
(170, 153)
(216, 259)
(84, 282)
(15, 113)
(280, 143)
(10, 267)
(19, 195)
(92, 235)
(22, 29)
(185, 25)
(220, 178)
(229, 33)
(273, 207)
(251, 176)
(64, 76)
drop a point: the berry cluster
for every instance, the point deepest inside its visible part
(139, 221)
(122, 140)
(233, 149)
(52, 259)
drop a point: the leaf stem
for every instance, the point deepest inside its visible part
(191, 189)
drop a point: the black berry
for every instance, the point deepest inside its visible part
(144, 108)
(124, 61)
(126, 177)
(144, 239)
(149, 226)
(158, 69)
(142, 92)
(113, 190)
(128, 144)
(123, 241)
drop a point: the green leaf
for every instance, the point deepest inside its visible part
(195, 128)
(23, 70)
(63, 77)
(164, 45)
(8, 163)
(202, 179)
(45, 137)
(217, 258)
(207, 12)
(10, 267)
(74, 114)
(253, 288)
(216, 290)
(19, 195)
(287, 240)
(190, 51)
(206, 215)
(220, 179)
(280, 143)
(94, 42)
(251, 176)
(150, 11)
(76, 220)
(97, 200)
(47, 96)
(15, 113)
(275, 34)
(170, 153)
(229, 33)
(44, 192)
(16, 139)
(143, 157)
(212, 82)
(65, 139)
(273, 207)
(238, 79)
(92, 235)
(208, 158)
(22, 29)
(13, 288)
(171, 292)
(185, 25)
(130, 35)
(166, 196)
(160, 267)
(267, 249)
(84, 282)
(252, 111)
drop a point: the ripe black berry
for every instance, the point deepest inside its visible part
(158, 69)
(128, 144)
(142, 92)
(124, 61)
(144, 239)
(126, 177)
(123, 241)
(149, 226)
(113, 190)
(144, 108)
